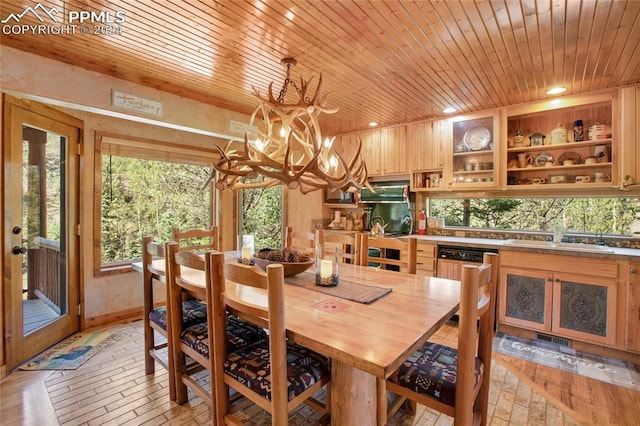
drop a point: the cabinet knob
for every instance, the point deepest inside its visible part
(549, 279)
(557, 280)
(632, 270)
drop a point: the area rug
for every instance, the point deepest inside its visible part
(551, 354)
(70, 353)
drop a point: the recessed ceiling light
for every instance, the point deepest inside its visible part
(556, 90)
(449, 110)
(373, 124)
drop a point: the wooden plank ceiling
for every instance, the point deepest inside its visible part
(385, 61)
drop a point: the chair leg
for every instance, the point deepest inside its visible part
(149, 362)
(381, 391)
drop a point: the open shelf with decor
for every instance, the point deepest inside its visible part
(569, 147)
(427, 180)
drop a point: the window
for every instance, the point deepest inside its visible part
(146, 188)
(609, 215)
(262, 216)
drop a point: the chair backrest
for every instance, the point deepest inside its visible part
(197, 239)
(477, 301)
(348, 245)
(151, 251)
(406, 246)
(273, 281)
(300, 240)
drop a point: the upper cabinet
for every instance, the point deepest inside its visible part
(564, 144)
(472, 160)
(629, 158)
(385, 151)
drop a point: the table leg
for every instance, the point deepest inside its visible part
(353, 396)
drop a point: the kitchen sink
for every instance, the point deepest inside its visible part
(591, 248)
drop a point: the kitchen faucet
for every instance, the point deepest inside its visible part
(559, 231)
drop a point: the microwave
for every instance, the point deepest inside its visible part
(337, 196)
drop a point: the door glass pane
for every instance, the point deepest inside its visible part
(43, 221)
(262, 216)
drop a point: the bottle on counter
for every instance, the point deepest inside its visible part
(578, 131)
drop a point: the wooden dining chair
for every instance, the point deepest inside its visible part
(155, 318)
(406, 246)
(454, 381)
(300, 240)
(197, 239)
(189, 277)
(275, 374)
(348, 245)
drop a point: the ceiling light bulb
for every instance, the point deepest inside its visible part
(373, 124)
(258, 144)
(333, 161)
(556, 90)
(449, 110)
(283, 131)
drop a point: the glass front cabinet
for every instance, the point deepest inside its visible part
(473, 160)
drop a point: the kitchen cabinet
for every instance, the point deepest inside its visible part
(630, 136)
(633, 308)
(385, 151)
(472, 158)
(570, 296)
(425, 258)
(425, 153)
(544, 158)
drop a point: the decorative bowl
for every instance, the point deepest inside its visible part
(290, 268)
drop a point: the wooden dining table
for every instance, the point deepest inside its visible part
(364, 341)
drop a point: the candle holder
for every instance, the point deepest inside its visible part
(246, 249)
(326, 270)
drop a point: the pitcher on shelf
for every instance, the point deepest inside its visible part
(525, 160)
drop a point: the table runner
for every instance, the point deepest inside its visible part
(346, 289)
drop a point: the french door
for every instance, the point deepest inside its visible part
(41, 228)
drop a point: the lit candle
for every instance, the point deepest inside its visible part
(246, 253)
(326, 269)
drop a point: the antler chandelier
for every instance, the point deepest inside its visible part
(288, 146)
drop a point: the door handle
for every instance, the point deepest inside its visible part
(19, 250)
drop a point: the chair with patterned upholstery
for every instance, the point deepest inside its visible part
(189, 277)
(300, 240)
(454, 381)
(407, 247)
(155, 318)
(197, 239)
(275, 374)
(348, 245)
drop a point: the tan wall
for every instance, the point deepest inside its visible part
(87, 96)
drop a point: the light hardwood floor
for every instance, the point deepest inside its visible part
(111, 388)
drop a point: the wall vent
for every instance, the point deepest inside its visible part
(553, 339)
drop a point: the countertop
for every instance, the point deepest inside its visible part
(615, 253)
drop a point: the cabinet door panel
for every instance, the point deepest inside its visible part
(584, 308)
(393, 144)
(371, 151)
(633, 311)
(525, 298)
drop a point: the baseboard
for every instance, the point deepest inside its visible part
(112, 317)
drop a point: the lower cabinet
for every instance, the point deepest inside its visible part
(632, 341)
(426, 259)
(570, 297)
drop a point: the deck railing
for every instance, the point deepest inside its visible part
(44, 272)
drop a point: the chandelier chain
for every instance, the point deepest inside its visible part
(289, 82)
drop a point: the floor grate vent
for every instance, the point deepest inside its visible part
(558, 340)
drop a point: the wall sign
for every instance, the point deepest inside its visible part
(135, 103)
